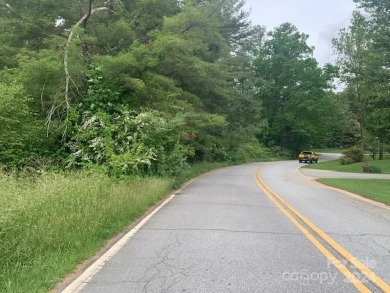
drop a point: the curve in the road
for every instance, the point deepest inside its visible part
(317, 237)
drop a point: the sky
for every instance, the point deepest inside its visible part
(320, 19)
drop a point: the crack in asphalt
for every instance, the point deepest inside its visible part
(162, 273)
(381, 245)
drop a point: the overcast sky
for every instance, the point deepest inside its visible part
(320, 19)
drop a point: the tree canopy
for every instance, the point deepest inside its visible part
(293, 90)
(364, 58)
(148, 87)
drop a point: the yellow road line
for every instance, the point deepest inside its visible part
(276, 199)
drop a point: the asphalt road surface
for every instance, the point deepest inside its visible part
(252, 228)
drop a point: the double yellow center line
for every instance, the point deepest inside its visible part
(316, 235)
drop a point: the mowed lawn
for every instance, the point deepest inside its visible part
(383, 165)
(376, 189)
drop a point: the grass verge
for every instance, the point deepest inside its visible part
(50, 224)
(335, 165)
(376, 189)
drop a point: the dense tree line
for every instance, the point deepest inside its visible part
(364, 60)
(150, 86)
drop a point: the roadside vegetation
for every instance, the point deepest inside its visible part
(382, 166)
(105, 106)
(51, 222)
(375, 189)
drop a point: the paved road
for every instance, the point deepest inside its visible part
(226, 233)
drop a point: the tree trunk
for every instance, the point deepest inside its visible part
(381, 149)
(362, 142)
(68, 79)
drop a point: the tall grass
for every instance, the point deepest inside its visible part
(51, 223)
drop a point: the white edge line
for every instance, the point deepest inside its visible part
(94, 268)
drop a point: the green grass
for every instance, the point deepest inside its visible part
(376, 189)
(50, 224)
(335, 165)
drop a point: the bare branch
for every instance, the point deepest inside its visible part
(88, 14)
(66, 53)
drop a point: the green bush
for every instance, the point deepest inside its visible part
(123, 141)
(129, 143)
(376, 169)
(252, 151)
(171, 162)
(352, 155)
(23, 138)
(346, 161)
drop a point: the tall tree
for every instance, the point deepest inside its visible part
(188, 59)
(364, 57)
(379, 68)
(353, 49)
(292, 88)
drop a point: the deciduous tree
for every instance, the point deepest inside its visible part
(292, 88)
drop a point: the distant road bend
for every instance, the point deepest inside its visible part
(253, 228)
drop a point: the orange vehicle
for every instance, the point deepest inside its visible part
(308, 157)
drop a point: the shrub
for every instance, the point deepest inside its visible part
(172, 162)
(252, 151)
(352, 155)
(123, 141)
(376, 169)
(346, 161)
(129, 143)
(22, 134)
